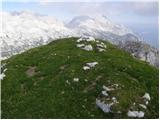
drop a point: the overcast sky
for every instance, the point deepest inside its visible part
(141, 16)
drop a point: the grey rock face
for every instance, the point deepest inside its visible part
(142, 51)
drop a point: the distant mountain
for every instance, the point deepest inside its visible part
(24, 30)
(87, 24)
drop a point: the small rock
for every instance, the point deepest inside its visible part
(147, 96)
(83, 106)
(79, 40)
(106, 108)
(62, 92)
(104, 93)
(80, 45)
(2, 75)
(119, 112)
(5, 70)
(68, 82)
(107, 88)
(89, 39)
(138, 114)
(92, 64)
(86, 68)
(143, 106)
(76, 79)
(97, 41)
(101, 49)
(147, 102)
(100, 45)
(88, 48)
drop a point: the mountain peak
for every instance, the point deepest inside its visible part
(98, 23)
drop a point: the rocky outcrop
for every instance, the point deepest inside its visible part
(142, 51)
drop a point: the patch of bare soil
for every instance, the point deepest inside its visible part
(92, 85)
(31, 71)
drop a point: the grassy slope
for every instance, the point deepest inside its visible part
(41, 96)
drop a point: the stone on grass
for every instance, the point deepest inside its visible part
(101, 49)
(104, 93)
(138, 114)
(68, 82)
(100, 45)
(88, 48)
(76, 79)
(92, 64)
(2, 75)
(106, 108)
(86, 68)
(107, 88)
(79, 40)
(147, 96)
(143, 106)
(89, 39)
(80, 45)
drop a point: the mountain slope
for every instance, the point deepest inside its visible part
(99, 23)
(57, 81)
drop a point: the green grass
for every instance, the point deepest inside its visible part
(47, 95)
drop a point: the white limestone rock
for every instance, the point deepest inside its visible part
(88, 48)
(76, 79)
(106, 108)
(138, 114)
(80, 45)
(86, 68)
(92, 64)
(147, 96)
